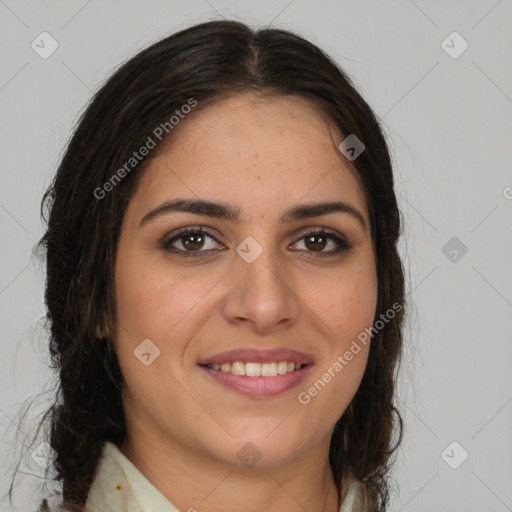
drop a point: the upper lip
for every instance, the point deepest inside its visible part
(258, 355)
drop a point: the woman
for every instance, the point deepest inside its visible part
(223, 284)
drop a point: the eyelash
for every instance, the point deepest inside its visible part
(342, 244)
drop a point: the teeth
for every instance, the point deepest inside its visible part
(282, 367)
(238, 368)
(269, 369)
(251, 369)
(257, 369)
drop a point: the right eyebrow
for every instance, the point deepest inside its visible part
(199, 207)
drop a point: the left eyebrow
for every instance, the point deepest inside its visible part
(232, 213)
(308, 210)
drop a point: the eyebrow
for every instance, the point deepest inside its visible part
(230, 212)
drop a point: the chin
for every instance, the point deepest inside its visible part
(263, 451)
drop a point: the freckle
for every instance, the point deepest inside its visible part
(118, 487)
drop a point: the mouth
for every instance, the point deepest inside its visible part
(258, 372)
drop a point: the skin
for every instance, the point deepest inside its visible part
(263, 155)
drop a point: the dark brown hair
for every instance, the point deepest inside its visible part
(204, 62)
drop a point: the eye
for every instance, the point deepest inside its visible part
(316, 241)
(195, 241)
(190, 241)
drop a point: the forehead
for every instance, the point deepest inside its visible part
(260, 151)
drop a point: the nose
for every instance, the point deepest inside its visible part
(261, 294)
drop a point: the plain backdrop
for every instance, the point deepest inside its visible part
(447, 112)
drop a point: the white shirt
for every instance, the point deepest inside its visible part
(120, 487)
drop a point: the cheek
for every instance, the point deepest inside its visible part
(347, 304)
(152, 301)
(345, 309)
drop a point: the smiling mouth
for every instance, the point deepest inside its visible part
(249, 369)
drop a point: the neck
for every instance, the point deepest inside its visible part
(194, 482)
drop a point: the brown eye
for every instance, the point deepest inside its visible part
(191, 242)
(319, 240)
(316, 242)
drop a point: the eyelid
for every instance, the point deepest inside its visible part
(302, 232)
(338, 238)
(177, 233)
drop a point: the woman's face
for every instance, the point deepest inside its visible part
(262, 282)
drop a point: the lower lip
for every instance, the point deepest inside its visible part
(259, 386)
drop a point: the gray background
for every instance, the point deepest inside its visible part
(448, 121)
